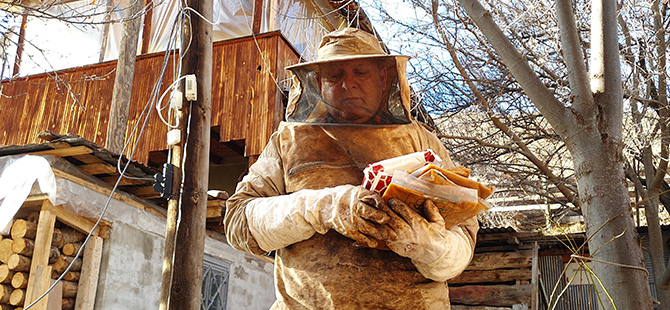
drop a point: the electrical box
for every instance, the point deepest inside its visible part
(173, 137)
(191, 88)
(176, 100)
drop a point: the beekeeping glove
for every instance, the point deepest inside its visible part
(438, 253)
(276, 222)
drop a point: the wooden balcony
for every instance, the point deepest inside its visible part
(247, 94)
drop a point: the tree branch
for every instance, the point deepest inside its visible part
(577, 74)
(541, 96)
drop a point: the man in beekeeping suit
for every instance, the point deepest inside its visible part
(303, 197)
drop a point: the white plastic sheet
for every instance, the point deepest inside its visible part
(17, 180)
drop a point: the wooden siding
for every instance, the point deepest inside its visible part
(246, 97)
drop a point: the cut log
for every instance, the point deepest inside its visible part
(17, 298)
(5, 274)
(5, 292)
(64, 261)
(5, 250)
(20, 280)
(69, 276)
(8, 307)
(70, 249)
(24, 229)
(57, 239)
(69, 289)
(18, 262)
(23, 246)
(68, 304)
(72, 236)
(33, 217)
(54, 254)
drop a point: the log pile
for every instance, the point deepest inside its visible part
(17, 250)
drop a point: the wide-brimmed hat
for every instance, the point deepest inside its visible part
(346, 44)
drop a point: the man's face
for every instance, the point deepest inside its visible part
(352, 89)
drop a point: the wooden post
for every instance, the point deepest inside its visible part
(40, 273)
(19, 48)
(146, 29)
(534, 283)
(258, 16)
(186, 285)
(88, 280)
(171, 222)
(123, 82)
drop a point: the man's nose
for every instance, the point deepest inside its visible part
(349, 81)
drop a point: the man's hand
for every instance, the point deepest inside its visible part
(356, 214)
(411, 235)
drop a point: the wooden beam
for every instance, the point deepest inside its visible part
(63, 152)
(146, 29)
(101, 168)
(79, 223)
(490, 295)
(38, 273)
(492, 276)
(500, 260)
(106, 191)
(534, 283)
(90, 271)
(214, 212)
(146, 192)
(258, 16)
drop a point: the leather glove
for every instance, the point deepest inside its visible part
(276, 222)
(438, 253)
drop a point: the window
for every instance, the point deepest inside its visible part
(214, 284)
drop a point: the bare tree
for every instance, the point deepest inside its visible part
(511, 83)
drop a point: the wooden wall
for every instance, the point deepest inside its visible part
(247, 90)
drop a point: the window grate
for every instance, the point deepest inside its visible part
(214, 284)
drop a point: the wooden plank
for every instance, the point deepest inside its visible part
(534, 283)
(39, 279)
(499, 260)
(70, 151)
(55, 299)
(147, 192)
(214, 212)
(106, 191)
(90, 270)
(490, 295)
(492, 276)
(111, 180)
(259, 8)
(462, 307)
(87, 159)
(79, 223)
(101, 168)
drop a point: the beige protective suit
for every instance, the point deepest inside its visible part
(286, 202)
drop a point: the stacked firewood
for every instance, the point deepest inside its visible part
(16, 252)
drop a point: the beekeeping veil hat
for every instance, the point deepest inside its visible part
(305, 101)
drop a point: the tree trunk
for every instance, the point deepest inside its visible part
(591, 128)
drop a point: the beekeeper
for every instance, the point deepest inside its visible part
(303, 197)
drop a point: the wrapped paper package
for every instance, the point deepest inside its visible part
(416, 177)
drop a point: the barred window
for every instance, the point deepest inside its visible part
(214, 284)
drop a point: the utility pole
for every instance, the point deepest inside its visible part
(123, 82)
(185, 238)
